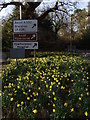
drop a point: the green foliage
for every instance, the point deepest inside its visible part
(7, 31)
(84, 41)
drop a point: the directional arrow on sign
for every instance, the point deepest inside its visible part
(35, 44)
(34, 26)
(33, 36)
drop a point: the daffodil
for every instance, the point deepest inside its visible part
(60, 78)
(67, 79)
(86, 113)
(55, 98)
(18, 86)
(62, 87)
(72, 80)
(28, 98)
(51, 83)
(49, 96)
(9, 86)
(39, 88)
(59, 83)
(35, 100)
(11, 99)
(22, 103)
(53, 110)
(29, 90)
(18, 105)
(9, 94)
(52, 76)
(69, 74)
(80, 98)
(46, 86)
(5, 87)
(53, 105)
(36, 93)
(65, 104)
(53, 93)
(87, 93)
(86, 89)
(50, 86)
(78, 80)
(81, 95)
(72, 109)
(35, 111)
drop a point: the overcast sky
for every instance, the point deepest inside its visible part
(8, 10)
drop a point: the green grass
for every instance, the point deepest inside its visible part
(57, 87)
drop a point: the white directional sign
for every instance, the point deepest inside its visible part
(25, 45)
(25, 26)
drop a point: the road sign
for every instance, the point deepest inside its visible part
(17, 53)
(25, 37)
(25, 45)
(22, 26)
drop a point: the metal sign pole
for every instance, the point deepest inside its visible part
(34, 57)
(20, 10)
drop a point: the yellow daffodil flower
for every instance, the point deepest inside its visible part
(22, 103)
(55, 98)
(28, 98)
(53, 110)
(53, 93)
(81, 95)
(87, 93)
(86, 113)
(11, 99)
(35, 111)
(18, 105)
(65, 104)
(53, 105)
(80, 98)
(72, 109)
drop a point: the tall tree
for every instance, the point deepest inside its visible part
(60, 10)
(79, 20)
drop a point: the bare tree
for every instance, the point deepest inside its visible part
(30, 7)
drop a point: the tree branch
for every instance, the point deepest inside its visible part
(48, 11)
(4, 5)
(33, 5)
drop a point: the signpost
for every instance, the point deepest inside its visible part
(25, 31)
(25, 35)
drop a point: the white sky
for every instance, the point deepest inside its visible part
(8, 10)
